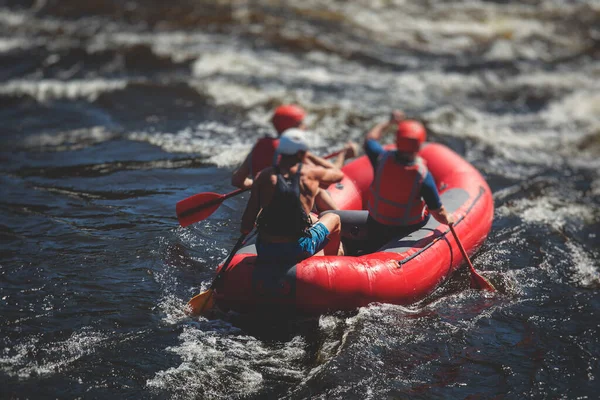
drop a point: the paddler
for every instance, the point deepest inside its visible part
(264, 154)
(282, 197)
(403, 193)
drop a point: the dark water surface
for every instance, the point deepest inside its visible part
(113, 111)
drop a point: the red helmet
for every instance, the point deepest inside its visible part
(286, 117)
(410, 135)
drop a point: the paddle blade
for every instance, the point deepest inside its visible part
(201, 303)
(481, 283)
(198, 207)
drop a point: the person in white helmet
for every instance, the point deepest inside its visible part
(280, 203)
(264, 154)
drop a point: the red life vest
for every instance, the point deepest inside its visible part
(263, 155)
(395, 195)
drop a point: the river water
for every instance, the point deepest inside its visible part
(112, 111)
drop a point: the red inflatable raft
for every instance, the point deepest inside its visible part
(403, 271)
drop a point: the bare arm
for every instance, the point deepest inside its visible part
(327, 176)
(240, 177)
(311, 159)
(318, 161)
(443, 216)
(350, 150)
(252, 209)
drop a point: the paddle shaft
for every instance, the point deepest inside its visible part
(462, 249)
(238, 245)
(204, 301)
(335, 153)
(479, 281)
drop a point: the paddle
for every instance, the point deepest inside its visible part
(477, 281)
(204, 301)
(200, 206)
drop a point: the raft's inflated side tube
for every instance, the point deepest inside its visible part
(403, 271)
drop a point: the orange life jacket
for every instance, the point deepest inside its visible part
(395, 195)
(263, 155)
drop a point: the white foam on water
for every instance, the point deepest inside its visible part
(444, 28)
(502, 131)
(582, 106)
(514, 135)
(47, 25)
(12, 18)
(52, 89)
(233, 63)
(206, 139)
(556, 81)
(178, 45)
(552, 211)
(9, 44)
(595, 185)
(233, 155)
(219, 361)
(224, 91)
(533, 138)
(230, 156)
(316, 68)
(512, 32)
(31, 357)
(77, 138)
(586, 266)
(222, 145)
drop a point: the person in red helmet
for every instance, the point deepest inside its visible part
(264, 154)
(286, 117)
(395, 210)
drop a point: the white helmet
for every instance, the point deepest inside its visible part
(292, 141)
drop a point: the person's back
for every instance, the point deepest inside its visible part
(403, 193)
(286, 194)
(283, 213)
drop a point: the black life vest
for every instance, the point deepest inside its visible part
(285, 216)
